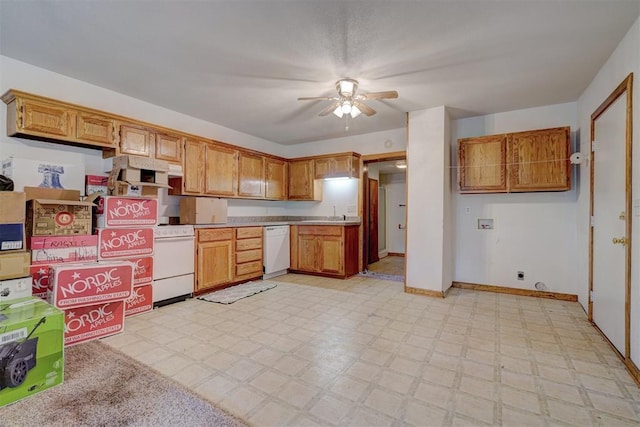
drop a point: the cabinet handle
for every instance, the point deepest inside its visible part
(619, 241)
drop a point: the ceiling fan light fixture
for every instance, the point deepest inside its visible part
(355, 111)
(338, 111)
(346, 87)
(346, 107)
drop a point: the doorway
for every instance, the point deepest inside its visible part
(610, 232)
(384, 214)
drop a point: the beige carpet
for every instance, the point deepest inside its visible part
(103, 387)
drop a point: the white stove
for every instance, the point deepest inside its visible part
(173, 263)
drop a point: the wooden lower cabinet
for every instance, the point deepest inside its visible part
(226, 256)
(326, 250)
(248, 252)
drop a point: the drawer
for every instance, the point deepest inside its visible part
(246, 256)
(254, 267)
(321, 230)
(215, 234)
(248, 232)
(248, 244)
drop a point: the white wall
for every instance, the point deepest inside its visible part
(428, 264)
(533, 232)
(624, 60)
(395, 184)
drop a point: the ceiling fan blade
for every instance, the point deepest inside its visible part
(329, 109)
(313, 98)
(380, 95)
(366, 109)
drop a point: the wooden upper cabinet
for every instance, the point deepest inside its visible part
(135, 140)
(481, 164)
(169, 147)
(539, 160)
(302, 184)
(251, 175)
(536, 160)
(339, 166)
(275, 179)
(95, 128)
(194, 156)
(220, 170)
(41, 118)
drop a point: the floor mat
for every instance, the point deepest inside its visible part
(234, 293)
(381, 276)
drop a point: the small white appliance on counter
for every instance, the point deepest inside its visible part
(173, 263)
(276, 254)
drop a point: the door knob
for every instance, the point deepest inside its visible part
(619, 241)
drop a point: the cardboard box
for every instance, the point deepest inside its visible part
(32, 337)
(92, 322)
(96, 184)
(202, 210)
(44, 174)
(53, 212)
(142, 270)
(138, 176)
(118, 243)
(12, 207)
(13, 289)
(141, 301)
(128, 212)
(12, 237)
(12, 219)
(76, 285)
(40, 281)
(59, 249)
(14, 265)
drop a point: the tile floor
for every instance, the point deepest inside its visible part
(388, 265)
(360, 352)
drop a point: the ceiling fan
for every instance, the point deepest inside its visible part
(348, 103)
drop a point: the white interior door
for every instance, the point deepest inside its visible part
(609, 205)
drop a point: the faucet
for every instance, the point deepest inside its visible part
(334, 211)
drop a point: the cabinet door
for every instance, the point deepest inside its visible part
(276, 179)
(220, 170)
(95, 129)
(194, 152)
(332, 257)
(343, 166)
(539, 160)
(169, 147)
(301, 180)
(135, 140)
(46, 119)
(308, 254)
(482, 164)
(215, 264)
(323, 168)
(250, 175)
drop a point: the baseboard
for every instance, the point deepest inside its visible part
(516, 291)
(395, 254)
(424, 292)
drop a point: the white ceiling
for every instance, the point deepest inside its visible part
(242, 64)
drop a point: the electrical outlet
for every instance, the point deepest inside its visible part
(520, 275)
(467, 209)
(351, 209)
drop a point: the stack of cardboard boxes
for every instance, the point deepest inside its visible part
(14, 258)
(125, 232)
(31, 330)
(65, 269)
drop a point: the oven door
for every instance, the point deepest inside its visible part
(173, 256)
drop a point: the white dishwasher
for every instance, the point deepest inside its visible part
(276, 251)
